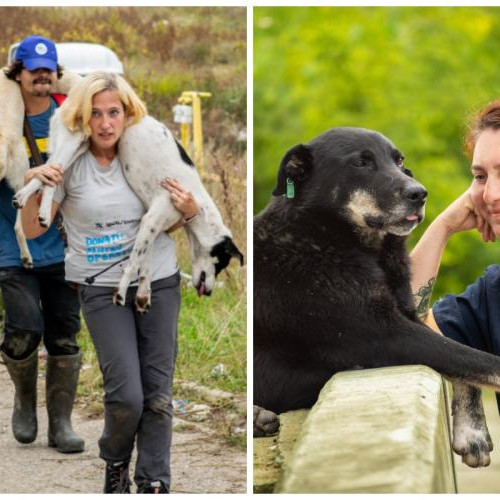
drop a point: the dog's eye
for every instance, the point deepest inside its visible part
(362, 162)
(400, 161)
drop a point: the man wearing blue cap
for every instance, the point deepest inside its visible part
(38, 302)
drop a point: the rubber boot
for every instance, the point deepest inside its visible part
(61, 381)
(24, 373)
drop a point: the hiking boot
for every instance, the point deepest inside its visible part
(24, 373)
(61, 381)
(117, 479)
(152, 487)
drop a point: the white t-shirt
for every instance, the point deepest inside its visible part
(101, 216)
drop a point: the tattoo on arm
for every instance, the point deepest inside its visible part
(423, 298)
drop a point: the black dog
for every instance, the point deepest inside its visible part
(332, 283)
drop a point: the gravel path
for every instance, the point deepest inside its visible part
(201, 462)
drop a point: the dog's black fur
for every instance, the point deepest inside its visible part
(331, 274)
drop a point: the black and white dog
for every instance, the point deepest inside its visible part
(332, 284)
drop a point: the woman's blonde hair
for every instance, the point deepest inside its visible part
(76, 110)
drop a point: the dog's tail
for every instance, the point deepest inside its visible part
(450, 358)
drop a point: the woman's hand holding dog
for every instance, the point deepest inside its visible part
(182, 199)
(51, 175)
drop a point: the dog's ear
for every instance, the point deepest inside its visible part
(224, 251)
(295, 166)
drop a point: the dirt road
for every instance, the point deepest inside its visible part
(201, 462)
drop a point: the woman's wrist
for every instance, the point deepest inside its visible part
(441, 229)
(190, 217)
(28, 176)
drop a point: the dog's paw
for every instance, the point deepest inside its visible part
(473, 445)
(17, 202)
(265, 422)
(27, 263)
(142, 303)
(19, 199)
(118, 298)
(43, 221)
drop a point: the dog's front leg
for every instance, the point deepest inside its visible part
(143, 295)
(161, 215)
(23, 244)
(21, 197)
(19, 200)
(471, 438)
(45, 211)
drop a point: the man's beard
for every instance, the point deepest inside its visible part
(44, 93)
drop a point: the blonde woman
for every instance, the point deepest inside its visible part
(101, 215)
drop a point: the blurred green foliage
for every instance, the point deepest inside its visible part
(413, 73)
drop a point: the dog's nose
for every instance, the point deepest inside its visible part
(415, 193)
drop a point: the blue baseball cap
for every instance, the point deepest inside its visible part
(37, 52)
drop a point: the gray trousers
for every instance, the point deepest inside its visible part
(136, 356)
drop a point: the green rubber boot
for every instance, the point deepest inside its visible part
(62, 379)
(24, 373)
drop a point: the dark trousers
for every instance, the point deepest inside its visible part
(39, 303)
(136, 356)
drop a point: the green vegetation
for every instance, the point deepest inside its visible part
(415, 74)
(164, 49)
(167, 50)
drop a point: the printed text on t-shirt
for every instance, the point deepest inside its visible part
(105, 248)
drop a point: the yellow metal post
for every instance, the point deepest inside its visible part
(197, 133)
(194, 98)
(186, 137)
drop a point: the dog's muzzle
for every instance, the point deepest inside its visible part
(201, 286)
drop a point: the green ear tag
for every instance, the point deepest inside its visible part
(290, 189)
